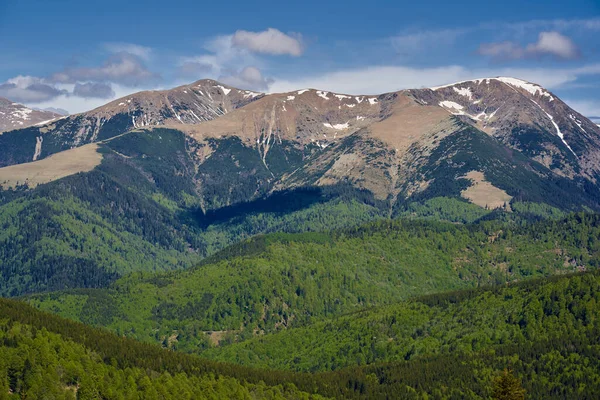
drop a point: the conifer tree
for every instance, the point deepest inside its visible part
(508, 387)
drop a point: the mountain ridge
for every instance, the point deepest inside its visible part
(16, 116)
(411, 143)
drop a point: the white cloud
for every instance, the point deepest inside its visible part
(381, 79)
(548, 44)
(121, 68)
(24, 89)
(142, 52)
(248, 78)
(271, 41)
(221, 56)
(76, 104)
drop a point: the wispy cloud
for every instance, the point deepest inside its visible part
(247, 78)
(423, 40)
(381, 79)
(93, 90)
(137, 50)
(589, 108)
(270, 41)
(552, 44)
(26, 89)
(121, 67)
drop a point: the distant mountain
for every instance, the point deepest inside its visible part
(17, 116)
(486, 140)
(158, 180)
(60, 111)
(189, 104)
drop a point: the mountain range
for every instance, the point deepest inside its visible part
(300, 243)
(398, 146)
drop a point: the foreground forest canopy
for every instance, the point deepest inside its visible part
(546, 336)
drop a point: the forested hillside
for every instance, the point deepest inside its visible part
(453, 324)
(303, 245)
(555, 355)
(279, 281)
(150, 206)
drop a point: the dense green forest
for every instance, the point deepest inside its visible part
(278, 281)
(38, 364)
(456, 323)
(557, 358)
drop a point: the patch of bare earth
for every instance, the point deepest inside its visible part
(410, 122)
(56, 166)
(215, 337)
(483, 193)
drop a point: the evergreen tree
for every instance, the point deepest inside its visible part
(508, 387)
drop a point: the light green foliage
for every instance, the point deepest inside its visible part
(36, 364)
(279, 281)
(460, 323)
(445, 209)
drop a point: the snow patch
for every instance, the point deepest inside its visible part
(464, 92)
(514, 82)
(350, 105)
(530, 87)
(323, 94)
(224, 89)
(22, 113)
(372, 101)
(558, 131)
(476, 81)
(249, 93)
(359, 118)
(342, 96)
(337, 127)
(453, 105)
(291, 97)
(359, 99)
(577, 122)
(303, 91)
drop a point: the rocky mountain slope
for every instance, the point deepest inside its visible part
(189, 104)
(525, 117)
(17, 116)
(487, 140)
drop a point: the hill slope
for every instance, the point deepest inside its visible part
(280, 281)
(300, 161)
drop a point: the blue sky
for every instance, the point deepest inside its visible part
(80, 54)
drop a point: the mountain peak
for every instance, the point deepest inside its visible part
(533, 88)
(15, 116)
